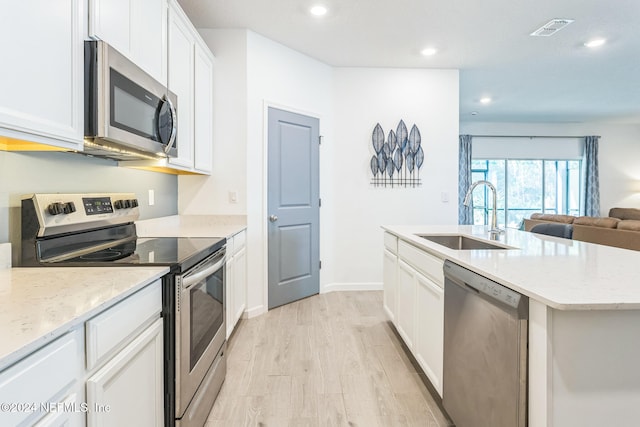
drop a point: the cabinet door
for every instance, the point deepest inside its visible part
(149, 37)
(131, 384)
(203, 108)
(429, 344)
(110, 20)
(41, 78)
(389, 268)
(181, 53)
(405, 316)
(230, 294)
(240, 286)
(135, 28)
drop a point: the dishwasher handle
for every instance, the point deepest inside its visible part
(486, 288)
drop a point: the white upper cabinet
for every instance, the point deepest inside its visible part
(136, 28)
(41, 78)
(191, 79)
(181, 64)
(203, 108)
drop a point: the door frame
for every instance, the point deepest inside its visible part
(265, 190)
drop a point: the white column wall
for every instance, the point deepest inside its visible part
(362, 98)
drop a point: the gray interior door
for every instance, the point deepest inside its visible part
(293, 207)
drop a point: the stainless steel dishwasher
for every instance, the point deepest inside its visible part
(485, 351)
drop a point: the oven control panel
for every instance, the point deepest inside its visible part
(57, 213)
(97, 205)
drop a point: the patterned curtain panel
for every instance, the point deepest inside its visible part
(465, 214)
(592, 182)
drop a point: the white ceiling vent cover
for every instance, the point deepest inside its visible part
(551, 27)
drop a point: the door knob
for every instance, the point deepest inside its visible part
(273, 218)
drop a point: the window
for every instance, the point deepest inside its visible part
(526, 186)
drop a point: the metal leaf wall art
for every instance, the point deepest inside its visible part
(398, 159)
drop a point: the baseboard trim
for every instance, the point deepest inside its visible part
(333, 287)
(253, 312)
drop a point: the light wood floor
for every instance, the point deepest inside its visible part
(329, 360)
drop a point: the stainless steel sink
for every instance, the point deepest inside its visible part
(461, 242)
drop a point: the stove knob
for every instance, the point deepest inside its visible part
(69, 207)
(55, 208)
(118, 204)
(134, 203)
(126, 203)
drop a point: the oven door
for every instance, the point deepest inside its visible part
(200, 325)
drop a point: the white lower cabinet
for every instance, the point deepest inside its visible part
(128, 390)
(117, 379)
(414, 301)
(236, 280)
(70, 414)
(405, 317)
(44, 381)
(429, 338)
(389, 268)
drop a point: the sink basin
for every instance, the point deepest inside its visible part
(461, 242)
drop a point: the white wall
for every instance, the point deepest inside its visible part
(366, 96)
(210, 194)
(619, 153)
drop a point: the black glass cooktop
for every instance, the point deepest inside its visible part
(179, 252)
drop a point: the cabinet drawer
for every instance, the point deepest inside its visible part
(239, 241)
(113, 328)
(391, 242)
(422, 261)
(44, 376)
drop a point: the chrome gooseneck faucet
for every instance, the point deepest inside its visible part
(494, 219)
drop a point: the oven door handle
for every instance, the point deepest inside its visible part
(192, 279)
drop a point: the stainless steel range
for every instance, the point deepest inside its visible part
(98, 230)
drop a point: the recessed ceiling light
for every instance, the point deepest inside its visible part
(429, 51)
(485, 100)
(318, 10)
(595, 43)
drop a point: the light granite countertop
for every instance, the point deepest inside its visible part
(563, 274)
(38, 305)
(192, 226)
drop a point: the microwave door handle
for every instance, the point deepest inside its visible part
(174, 128)
(189, 281)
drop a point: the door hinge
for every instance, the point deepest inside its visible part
(320, 140)
(320, 264)
(319, 203)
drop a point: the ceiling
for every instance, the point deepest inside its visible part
(530, 79)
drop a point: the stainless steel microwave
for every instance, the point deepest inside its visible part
(128, 114)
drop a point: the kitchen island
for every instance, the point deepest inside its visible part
(584, 316)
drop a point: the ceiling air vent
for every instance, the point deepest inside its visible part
(551, 27)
